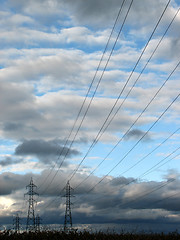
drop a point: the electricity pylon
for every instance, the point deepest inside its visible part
(31, 225)
(16, 222)
(37, 223)
(68, 216)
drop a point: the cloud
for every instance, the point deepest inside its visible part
(10, 182)
(9, 161)
(45, 12)
(46, 151)
(78, 35)
(106, 204)
(50, 52)
(94, 13)
(110, 200)
(10, 20)
(53, 114)
(137, 134)
(10, 126)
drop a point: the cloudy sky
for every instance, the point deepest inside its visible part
(89, 92)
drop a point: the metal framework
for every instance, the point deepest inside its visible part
(37, 223)
(16, 223)
(31, 223)
(68, 216)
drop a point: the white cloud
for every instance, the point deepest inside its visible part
(49, 54)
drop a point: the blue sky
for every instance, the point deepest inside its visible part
(50, 51)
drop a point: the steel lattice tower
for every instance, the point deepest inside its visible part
(38, 222)
(31, 224)
(16, 222)
(68, 216)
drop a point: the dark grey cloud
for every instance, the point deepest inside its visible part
(10, 182)
(9, 161)
(46, 151)
(92, 12)
(122, 181)
(11, 126)
(137, 195)
(103, 207)
(98, 13)
(171, 44)
(31, 118)
(51, 115)
(112, 202)
(137, 134)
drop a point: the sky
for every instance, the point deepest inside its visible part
(89, 92)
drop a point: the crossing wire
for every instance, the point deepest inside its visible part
(146, 193)
(168, 28)
(93, 94)
(165, 162)
(136, 142)
(134, 124)
(125, 134)
(165, 198)
(134, 180)
(147, 155)
(84, 101)
(154, 167)
(142, 159)
(101, 131)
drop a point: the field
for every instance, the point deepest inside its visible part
(87, 236)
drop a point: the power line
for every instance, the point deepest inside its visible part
(84, 101)
(147, 155)
(136, 142)
(142, 159)
(165, 198)
(93, 93)
(175, 68)
(125, 134)
(154, 167)
(147, 172)
(134, 180)
(101, 131)
(146, 193)
(131, 127)
(166, 162)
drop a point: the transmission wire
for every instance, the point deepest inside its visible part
(98, 137)
(136, 142)
(109, 38)
(93, 95)
(125, 134)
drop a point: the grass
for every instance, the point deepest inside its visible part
(53, 235)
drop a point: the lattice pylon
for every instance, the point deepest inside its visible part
(38, 222)
(16, 223)
(31, 224)
(68, 215)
